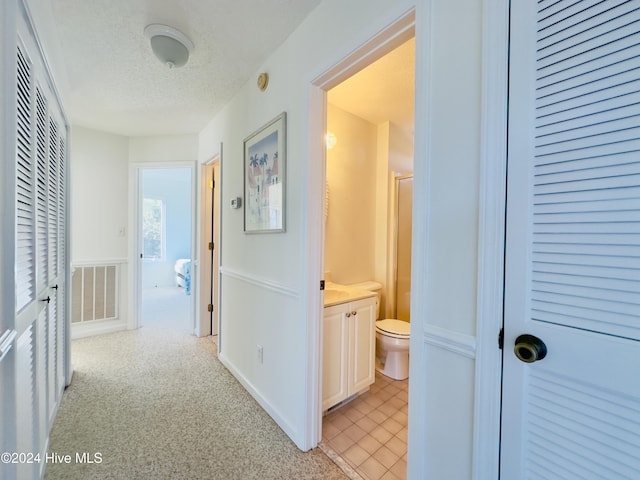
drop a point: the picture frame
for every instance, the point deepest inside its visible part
(264, 177)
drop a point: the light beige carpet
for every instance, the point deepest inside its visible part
(157, 404)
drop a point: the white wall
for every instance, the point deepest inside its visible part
(99, 195)
(164, 148)
(445, 226)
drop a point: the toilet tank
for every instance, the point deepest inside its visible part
(371, 286)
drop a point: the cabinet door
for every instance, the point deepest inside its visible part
(334, 355)
(362, 333)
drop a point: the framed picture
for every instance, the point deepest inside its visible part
(264, 177)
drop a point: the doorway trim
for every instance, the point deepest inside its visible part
(135, 265)
(395, 33)
(491, 240)
(203, 327)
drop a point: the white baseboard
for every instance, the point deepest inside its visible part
(89, 329)
(291, 432)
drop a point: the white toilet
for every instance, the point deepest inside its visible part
(392, 340)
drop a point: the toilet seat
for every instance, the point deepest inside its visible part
(393, 327)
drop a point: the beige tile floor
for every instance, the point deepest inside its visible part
(370, 432)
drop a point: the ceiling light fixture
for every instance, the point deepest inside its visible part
(171, 46)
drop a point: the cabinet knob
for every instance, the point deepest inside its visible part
(354, 313)
(348, 315)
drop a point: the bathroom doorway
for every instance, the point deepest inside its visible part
(367, 237)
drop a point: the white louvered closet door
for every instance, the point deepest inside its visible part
(573, 242)
(40, 258)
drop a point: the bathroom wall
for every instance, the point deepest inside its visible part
(400, 149)
(360, 170)
(350, 228)
(394, 157)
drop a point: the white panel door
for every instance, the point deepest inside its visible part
(573, 242)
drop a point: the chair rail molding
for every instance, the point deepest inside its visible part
(260, 282)
(458, 343)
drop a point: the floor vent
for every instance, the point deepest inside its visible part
(94, 293)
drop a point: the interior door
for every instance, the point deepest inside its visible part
(207, 251)
(571, 395)
(215, 254)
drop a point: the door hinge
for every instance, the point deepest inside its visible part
(501, 339)
(211, 246)
(321, 284)
(210, 308)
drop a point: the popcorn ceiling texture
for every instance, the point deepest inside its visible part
(116, 84)
(156, 403)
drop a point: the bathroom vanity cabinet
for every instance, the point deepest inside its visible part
(348, 350)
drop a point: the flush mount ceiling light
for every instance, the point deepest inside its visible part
(171, 46)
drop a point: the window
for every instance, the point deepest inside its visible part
(153, 229)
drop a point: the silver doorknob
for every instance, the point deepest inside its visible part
(529, 349)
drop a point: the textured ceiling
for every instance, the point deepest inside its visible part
(115, 83)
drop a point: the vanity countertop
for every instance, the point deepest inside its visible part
(334, 294)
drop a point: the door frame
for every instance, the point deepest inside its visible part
(135, 229)
(394, 34)
(204, 325)
(491, 239)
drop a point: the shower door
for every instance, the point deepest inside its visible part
(404, 191)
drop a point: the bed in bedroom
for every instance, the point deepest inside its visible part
(183, 274)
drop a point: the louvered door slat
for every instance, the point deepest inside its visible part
(52, 346)
(61, 204)
(587, 35)
(580, 171)
(586, 163)
(550, 273)
(554, 15)
(26, 400)
(593, 126)
(52, 204)
(41, 193)
(25, 264)
(618, 107)
(602, 181)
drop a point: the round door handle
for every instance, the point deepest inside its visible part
(529, 349)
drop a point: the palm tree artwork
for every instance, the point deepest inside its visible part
(261, 165)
